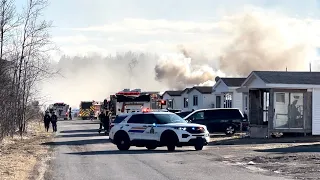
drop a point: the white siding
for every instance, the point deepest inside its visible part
(208, 100)
(237, 100)
(184, 95)
(256, 83)
(166, 97)
(200, 100)
(316, 112)
(177, 101)
(221, 87)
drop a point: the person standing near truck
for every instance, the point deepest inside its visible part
(46, 120)
(102, 118)
(54, 120)
(70, 114)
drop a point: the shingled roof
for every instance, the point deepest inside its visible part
(186, 89)
(290, 77)
(173, 93)
(202, 89)
(233, 82)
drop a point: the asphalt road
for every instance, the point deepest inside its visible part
(80, 153)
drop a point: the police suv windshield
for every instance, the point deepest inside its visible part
(169, 118)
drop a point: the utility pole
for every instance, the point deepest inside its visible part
(310, 66)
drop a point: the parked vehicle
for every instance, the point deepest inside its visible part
(118, 119)
(183, 114)
(60, 109)
(157, 129)
(227, 120)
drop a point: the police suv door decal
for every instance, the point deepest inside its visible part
(152, 130)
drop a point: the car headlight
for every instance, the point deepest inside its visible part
(182, 128)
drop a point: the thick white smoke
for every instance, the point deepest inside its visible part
(247, 41)
(253, 40)
(95, 77)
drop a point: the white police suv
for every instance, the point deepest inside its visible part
(156, 129)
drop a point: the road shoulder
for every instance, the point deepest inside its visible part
(23, 158)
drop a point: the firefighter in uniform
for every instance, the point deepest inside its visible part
(54, 120)
(102, 118)
(70, 114)
(46, 121)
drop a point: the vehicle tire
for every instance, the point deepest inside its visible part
(230, 130)
(171, 147)
(199, 145)
(169, 139)
(122, 141)
(151, 147)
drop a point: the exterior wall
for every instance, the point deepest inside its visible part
(200, 100)
(308, 111)
(177, 101)
(316, 112)
(185, 95)
(208, 101)
(245, 102)
(255, 82)
(221, 87)
(237, 100)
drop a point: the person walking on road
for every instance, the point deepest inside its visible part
(70, 114)
(54, 120)
(107, 122)
(102, 117)
(46, 121)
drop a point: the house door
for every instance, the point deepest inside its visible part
(218, 101)
(281, 103)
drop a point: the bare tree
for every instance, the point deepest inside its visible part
(8, 21)
(26, 38)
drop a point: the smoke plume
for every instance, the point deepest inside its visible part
(262, 45)
(252, 41)
(247, 42)
(94, 77)
(185, 69)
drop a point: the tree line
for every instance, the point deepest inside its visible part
(25, 44)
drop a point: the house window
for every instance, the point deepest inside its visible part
(185, 102)
(195, 100)
(227, 100)
(280, 97)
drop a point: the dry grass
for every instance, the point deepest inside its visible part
(18, 157)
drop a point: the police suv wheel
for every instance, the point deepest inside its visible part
(169, 139)
(199, 145)
(123, 143)
(171, 147)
